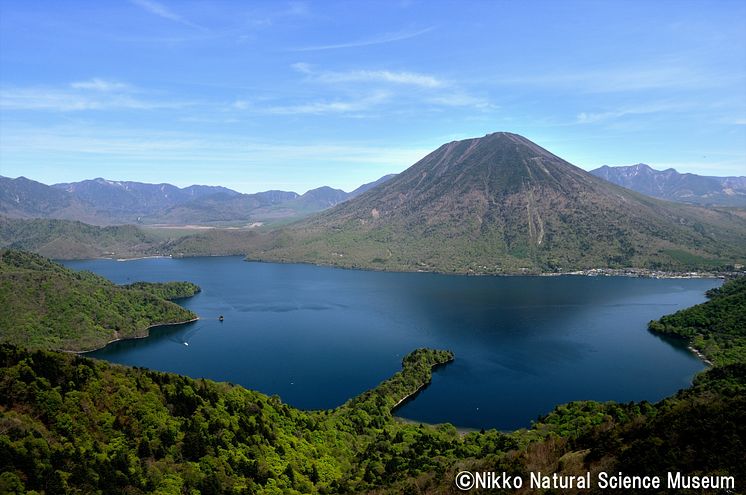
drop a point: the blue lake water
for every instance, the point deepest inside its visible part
(317, 336)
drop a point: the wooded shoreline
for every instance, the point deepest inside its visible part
(147, 334)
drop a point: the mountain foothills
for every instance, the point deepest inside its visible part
(67, 239)
(75, 425)
(105, 202)
(44, 305)
(674, 186)
(502, 204)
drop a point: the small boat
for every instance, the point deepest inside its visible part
(220, 317)
(186, 343)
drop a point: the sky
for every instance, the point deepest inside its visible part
(296, 95)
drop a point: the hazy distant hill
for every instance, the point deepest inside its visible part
(312, 201)
(125, 199)
(320, 198)
(674, 186)
(265, 206)
(25, 198)
(370, 185)
(105, 202)
(501, 203)
(220, 207)
(98, 201)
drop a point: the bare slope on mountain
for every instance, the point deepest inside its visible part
(503, 204)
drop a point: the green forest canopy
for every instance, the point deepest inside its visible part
(44, 305)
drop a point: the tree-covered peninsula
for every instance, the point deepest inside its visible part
(44, 305)
(75, 425)
(717, 328)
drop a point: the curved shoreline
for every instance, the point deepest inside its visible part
(631, 272)
(700, 355)
(157, 256)
(147, 334)
(422, 386)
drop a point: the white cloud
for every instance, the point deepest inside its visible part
(188, 148)
(298, 9)
(162, 11)
(100, 85)
(652, 108)
(370, 76)
(436, 91)
(665, 76)
(90, 95)
(302, 67)
(337, 106)
(92, 141)
(241, 104)
(375, 40)
(459, 99)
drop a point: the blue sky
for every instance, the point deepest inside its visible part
(294, 95)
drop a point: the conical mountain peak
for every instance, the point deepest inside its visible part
(501, 203)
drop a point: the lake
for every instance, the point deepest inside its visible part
(318, 336)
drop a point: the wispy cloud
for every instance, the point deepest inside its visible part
(297, 9)
(162, 11)
(435, 91)
(460, 99)
(665, 76)
(651, 108)
(100, 85)
(375, 40)
(361, 104)
(241, 104)
(136, 146)
(370, 76)
(95, 94)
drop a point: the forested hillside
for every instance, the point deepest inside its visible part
(44, 305)
(67, 239)
(72, 424)
(716, 328)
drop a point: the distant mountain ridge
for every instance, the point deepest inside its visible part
(105, 202)
(128, 198)
(503, 204)
(674, 186)
(25, 198)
